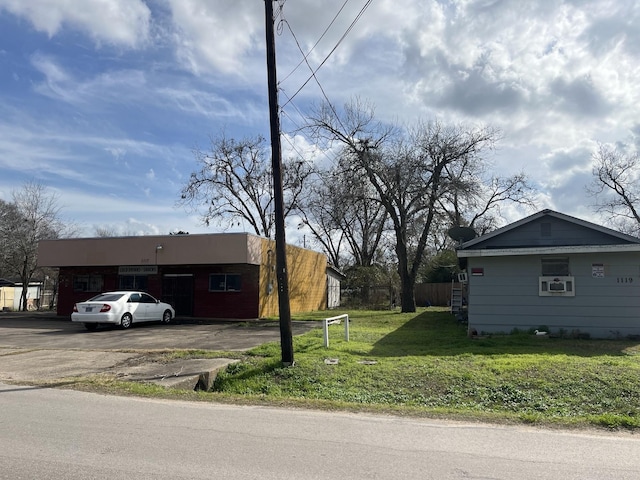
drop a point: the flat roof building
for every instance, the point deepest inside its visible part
(226, 275)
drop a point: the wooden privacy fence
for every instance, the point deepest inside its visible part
(382, 296)
(436, 294)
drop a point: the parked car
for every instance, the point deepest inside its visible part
(121, 308)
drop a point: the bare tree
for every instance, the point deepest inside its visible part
(410, 171)
(9, 218)
(37, 218)
(477, 199)
(340, 208)
(615, 186)
(320, 211)
(105, 232)
(234, 184)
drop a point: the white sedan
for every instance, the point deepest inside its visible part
(121, 308)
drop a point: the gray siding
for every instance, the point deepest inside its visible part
(555, 232)
(506, 296)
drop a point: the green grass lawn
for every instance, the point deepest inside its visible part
(425, 364)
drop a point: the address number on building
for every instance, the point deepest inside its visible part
(625, 279)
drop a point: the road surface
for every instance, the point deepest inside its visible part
(62, 434)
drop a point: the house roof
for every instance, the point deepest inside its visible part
(570, 235)
(6, 283)
(337, 272)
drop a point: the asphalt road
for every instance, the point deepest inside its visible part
(61, 434)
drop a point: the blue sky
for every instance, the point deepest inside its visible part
(103, 101)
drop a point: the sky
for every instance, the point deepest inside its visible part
(105, 101)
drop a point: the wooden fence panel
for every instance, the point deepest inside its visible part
(436, 294)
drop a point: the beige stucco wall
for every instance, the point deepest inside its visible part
(307, 278)
(224, 248)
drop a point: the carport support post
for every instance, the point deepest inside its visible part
(286, 336)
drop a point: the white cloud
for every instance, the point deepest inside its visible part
(556, 77)
(216, 34)
(119, 22)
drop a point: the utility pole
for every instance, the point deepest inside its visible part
(286, 337)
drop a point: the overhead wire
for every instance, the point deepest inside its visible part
(305, 59)
(306, 55)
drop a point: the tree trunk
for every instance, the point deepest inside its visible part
(408, 296)
(23, 299)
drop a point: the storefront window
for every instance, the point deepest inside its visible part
(88, 283)
(222, 282)
(134, 282)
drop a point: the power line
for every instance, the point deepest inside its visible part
(305, 56)
(314, 71)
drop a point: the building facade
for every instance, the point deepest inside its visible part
(555, 272)
(230, 275)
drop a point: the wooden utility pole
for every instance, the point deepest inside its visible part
(286, 337)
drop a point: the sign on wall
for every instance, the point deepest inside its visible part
(597, 270)
(138, 270)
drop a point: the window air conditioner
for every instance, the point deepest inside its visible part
(556, 286)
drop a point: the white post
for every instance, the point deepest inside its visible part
(346, 328)
(326, 333)
(334, 320)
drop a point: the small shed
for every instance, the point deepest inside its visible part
(7, 293)
(334, 280)
(11, 294)
(555, 272)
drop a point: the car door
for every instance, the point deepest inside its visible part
(152, 308)
(136, 308)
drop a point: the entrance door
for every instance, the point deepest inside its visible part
(177, 290)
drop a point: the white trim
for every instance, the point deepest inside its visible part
(514, 251)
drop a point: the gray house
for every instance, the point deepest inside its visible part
(553, 270)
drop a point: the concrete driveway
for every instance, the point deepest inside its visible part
(40, 347)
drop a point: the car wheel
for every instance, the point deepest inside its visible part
(166, 316)
(91, 326)
(126, 320)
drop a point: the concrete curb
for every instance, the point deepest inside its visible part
(193, 374)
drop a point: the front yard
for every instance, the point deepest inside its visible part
(424, 364)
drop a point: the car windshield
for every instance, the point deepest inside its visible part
(106, 297)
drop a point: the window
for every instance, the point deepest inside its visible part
(134, 282)
(135, 298)
(87, 283)
(556, 279)
(148, 298)
(224, 282)
(555, 266)
(110, 297)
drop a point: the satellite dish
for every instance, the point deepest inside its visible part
(462, 234)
